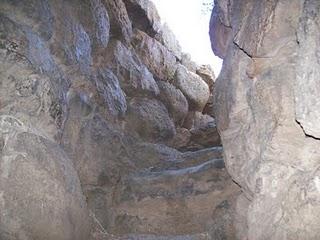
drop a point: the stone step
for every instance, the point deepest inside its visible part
(201, 236)
(189, 159)
(101, 236)
(99, 233)
(184, 198)
(177, 182)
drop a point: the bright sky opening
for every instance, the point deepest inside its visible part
(190, 24)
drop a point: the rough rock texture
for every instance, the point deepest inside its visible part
(193, 87)
(150, 119)
(267, 113)
(144, 16)
(92, 144)
(154, 54)
(36, 182)
(207, 74)
(174, 100)
(168, 39)
(133, 75)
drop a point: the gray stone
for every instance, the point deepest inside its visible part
(40, 193)
(181, 139)
(307, 84)
(174, 100)
(193, 87)
(203, 131)
(220, 30)
(265, 111)
(150, 119)
(134, 77)
(102, 22)
(144, 16)
(120, 24)
(177, 190)
(160, 61)
(207, 74)
(209, 108)
(109, 89)
(168, 39)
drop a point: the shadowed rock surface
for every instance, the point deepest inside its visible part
(92, 138)
(267, 113)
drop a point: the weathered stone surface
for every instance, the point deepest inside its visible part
(209, 108)
(222, 226)
(266, 111)
(101, 21)
(207, 74)
(193, 87)
(150, 119)
(160, 61)
(29, 96)
(186, 192)
(220, 30)
(72, 43)
(87, 136)
(168, 39)
(181, 139)
(40, 193)
(204, 132)
(134, 77)
(307, 84)
(174, 100)
(109, 89)
(120, 24)
(144, 16)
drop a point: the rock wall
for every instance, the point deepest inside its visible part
(267, 113)
(106, 127)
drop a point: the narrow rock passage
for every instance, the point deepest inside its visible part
(107, 129)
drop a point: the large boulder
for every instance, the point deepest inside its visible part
(160, 61)
(40, 192)
(150, 119)
(193, 87)
(207, 74)
(266, 109)
(174, 100)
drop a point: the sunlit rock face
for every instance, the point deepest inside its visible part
(267, 113)
(106, 128)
